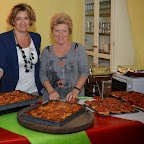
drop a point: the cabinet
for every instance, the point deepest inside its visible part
(107, 36)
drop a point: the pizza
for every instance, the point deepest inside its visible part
(126, 107)
(14, 97)
(55, 111)
(135, 98)
(99, 106)
(117, 94)
(113, 104)
(109, 106)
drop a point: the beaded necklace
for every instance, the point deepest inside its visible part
(27, 60)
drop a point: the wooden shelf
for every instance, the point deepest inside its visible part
(104, 34)
(104, 56)
(103, 52)
(105, 15)
(89, 14)
(89, 33)
(90, 52)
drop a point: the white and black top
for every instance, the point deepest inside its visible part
(26, 80)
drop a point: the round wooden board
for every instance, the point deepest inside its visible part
(81, 122)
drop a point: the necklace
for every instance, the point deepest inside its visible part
(27, 60)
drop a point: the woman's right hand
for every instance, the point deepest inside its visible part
(54, 95)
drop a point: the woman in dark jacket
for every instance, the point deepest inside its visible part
(19, 53)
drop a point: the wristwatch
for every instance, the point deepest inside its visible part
(77, 89)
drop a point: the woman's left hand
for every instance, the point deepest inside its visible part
(72, 96)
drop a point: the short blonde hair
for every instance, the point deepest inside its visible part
(61, 18)
(21, 7)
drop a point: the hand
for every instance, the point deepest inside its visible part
(54, 96)
(1, 74)
(72, 96)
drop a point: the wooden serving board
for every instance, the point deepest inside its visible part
(79, 123)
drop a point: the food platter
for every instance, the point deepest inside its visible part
(54, 113)
(135, 98)
(16, 106)
(132, 70)
(110, 106)
(79, 123)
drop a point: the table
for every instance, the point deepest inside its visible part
(105, 130)
(9, 122)
(109, 129)
(7, 137)
(115, 131)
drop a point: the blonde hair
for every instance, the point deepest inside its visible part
(61, 18)
(21, 7)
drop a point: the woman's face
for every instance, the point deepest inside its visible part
(22, 21)
(61, 33)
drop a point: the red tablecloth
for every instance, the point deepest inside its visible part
(7, 137)
(108, 130)
(112, 130)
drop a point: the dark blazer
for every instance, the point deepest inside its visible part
(9, 61)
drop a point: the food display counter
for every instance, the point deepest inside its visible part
(106, 129)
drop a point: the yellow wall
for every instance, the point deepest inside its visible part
(136, 14)
(44, 10)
